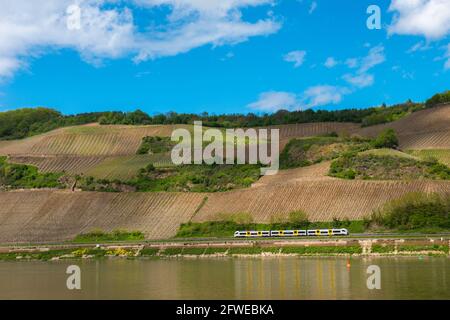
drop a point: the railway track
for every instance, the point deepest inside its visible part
(174, 242)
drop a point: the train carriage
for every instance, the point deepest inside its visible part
(291, 233)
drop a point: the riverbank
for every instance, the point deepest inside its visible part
(335, 247)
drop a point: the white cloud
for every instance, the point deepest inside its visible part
(315, 96)
(419, 46)
(228, 56)
(330, 62)
(323, 95)
(297, 57)
(429, 18)
(447, 56)
(313, 7)
(361, 78)
(31, 28)
(351, 63)
(375, 57)
(275, 100)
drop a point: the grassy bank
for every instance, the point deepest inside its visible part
(227, 228)
(153, 252)
(116, 235)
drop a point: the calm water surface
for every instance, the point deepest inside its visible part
(230, 278)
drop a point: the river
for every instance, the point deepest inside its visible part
(230, 278)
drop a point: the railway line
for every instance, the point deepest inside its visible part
(229, 241)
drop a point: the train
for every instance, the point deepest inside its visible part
(291, 233)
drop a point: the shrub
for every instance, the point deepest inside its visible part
(116, 235)
(298, 217)
(415, 211)
(438, 99)
(386, 167)
(386, 139)
(25, 176)
(155, 144)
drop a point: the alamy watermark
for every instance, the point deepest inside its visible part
(73, 282)
(374, 20)
(230, 146)
(374, 280)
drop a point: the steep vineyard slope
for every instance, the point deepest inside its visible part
(39, 216)
(300, 130)
(69, 164)
(426, 129)
(321, 200)
(310, 173)
(88, 140)
(126, 167)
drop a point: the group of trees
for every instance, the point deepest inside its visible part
(415, 211)
(26, 122)
(438, 99)
(366, 117)
(386, 114)
(386, 139)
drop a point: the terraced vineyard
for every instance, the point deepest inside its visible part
(110, 152)
(321, 200)
(89, 140)
(126, 167)
(314, 172)
(314, 129)
(426, 129)
(40, 216)
(69, 164)
(299, 130)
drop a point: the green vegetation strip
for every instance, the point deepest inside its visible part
(116, 235)
(227, 228)
(415, 212)
(323, 250)
(26, 122)
(98, 253)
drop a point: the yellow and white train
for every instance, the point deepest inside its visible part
(291, 233)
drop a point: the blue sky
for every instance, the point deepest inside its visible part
(223, 56)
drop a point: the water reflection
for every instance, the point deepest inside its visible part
(230, 278)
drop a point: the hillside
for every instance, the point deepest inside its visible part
(425, 129)
(40, 216)
(321, 200)
(109, 152)
(51, 216)
(86, 140)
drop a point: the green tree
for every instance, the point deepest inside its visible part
(386, 139)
